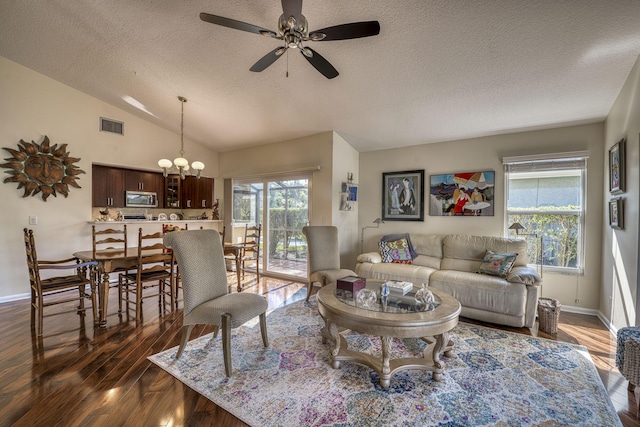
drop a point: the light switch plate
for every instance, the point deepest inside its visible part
(33, 220)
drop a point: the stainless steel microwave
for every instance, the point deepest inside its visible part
(141, 199)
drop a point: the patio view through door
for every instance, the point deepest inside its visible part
(281, 205)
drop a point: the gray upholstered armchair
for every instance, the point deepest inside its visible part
(204, 285)
(323, 255)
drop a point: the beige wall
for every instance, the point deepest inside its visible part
(345, 161)
(299, 154)
(620, 282)
(327, 150)
(480, 154)
(31, 106)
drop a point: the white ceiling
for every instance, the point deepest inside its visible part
(439, 70)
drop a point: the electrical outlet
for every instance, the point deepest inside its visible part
(33, 220)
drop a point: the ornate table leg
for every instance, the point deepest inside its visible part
(385, 377)
(437, 349)
(104, 296)
(238, 254)
(332, 330)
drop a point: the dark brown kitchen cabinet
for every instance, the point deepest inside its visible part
(108, 186)
(197, 193)
(137, 180)
(173, 192)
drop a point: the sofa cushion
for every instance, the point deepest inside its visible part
(490, 293)
(390, 271)
(396, 251)
(465, 253)
(495, 264)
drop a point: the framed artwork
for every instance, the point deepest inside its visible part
(353, 193)
(403, 196)
(462, 194)
(616, 213)
(616, 167)
(349, 194)
(42, 168)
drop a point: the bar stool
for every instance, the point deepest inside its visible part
(628, 359)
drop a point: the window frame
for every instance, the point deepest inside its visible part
(547, 163)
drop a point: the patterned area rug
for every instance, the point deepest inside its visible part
(493, 378)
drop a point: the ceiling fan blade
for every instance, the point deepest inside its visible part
(321, 64)
(267, 60)
(237, 25)
(292, 8)
(353, 30)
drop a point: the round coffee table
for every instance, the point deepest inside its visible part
(397, 319)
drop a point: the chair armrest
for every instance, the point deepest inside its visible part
(57, 265)
(62, 261)
(372, 257)
(525, 275)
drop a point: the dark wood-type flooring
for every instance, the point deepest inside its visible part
(78, 375)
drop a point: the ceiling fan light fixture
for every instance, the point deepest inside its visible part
(267, 33)
(293, 30)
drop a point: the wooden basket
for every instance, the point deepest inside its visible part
(548, 315)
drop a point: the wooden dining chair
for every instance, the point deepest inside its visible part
(155, 267)
(109, 240)
(251, 249)
(53, 285)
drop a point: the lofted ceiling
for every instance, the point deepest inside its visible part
(439, 69)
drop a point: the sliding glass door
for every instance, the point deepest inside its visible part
(281, 205)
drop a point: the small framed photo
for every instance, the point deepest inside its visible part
(403, 196)
(616, 213)
(616, 167)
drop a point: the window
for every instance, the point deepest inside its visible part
(547, 196)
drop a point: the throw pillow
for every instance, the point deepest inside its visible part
(396, 251)
(497, 264)
(394, 237)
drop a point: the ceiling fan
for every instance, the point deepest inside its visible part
(294, 31)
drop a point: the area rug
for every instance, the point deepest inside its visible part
(493, 378)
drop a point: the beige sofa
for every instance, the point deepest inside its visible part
(449, 263)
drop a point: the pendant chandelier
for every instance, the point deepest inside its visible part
(180, 163)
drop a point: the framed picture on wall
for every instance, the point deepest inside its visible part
(616, 167)
(462, 194)
(403, 196)
(616, 213)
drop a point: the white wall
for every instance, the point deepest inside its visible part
(479, 154)
(620, 282)
(31, 106)
(345, 161)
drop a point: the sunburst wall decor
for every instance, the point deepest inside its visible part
(42, 168)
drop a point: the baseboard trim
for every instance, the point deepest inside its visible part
(17, 297)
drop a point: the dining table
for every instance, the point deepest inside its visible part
(235, 249)
(110, 261)
(114, 260)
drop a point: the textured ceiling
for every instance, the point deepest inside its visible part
(439, 70)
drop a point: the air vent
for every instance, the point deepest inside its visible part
(113, 126)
